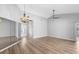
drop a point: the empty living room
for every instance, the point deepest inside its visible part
(39, 28)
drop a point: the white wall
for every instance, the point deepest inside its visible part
(64, 27)
(9, 11)
(12, 12)
(39, 25)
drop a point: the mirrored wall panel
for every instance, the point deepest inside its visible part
(7, 32)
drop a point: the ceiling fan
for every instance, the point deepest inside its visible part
(54, 16)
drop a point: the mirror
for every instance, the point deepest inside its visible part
(7, 32)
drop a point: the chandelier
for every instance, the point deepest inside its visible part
(24, 18)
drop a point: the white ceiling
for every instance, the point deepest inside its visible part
(45, 10)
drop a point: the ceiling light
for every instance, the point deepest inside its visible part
(24, 18)
(53, 16)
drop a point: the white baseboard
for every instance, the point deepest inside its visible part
(65, 38)
(35, 37)
(9, 46)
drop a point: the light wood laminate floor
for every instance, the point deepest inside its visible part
(6, 41)
(46, 45)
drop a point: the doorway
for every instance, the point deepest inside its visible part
(27, 30)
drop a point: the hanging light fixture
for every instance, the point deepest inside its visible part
(24, 18)
(53, 14)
